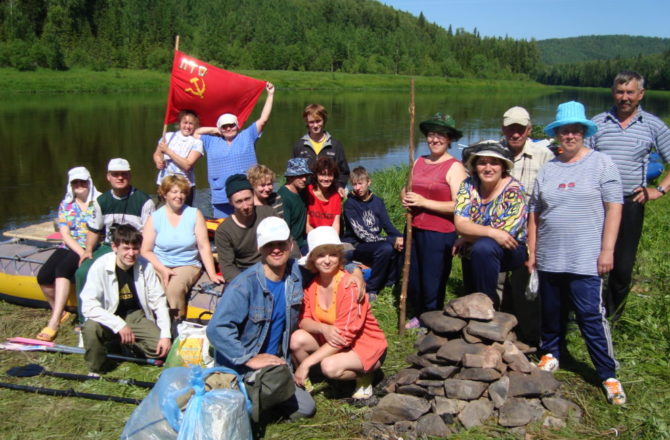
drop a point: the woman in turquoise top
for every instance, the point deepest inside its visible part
(174, 237)
(490, 216)
(55, 276)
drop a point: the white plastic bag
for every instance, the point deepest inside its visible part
(533, 286)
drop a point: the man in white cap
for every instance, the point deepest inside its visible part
(230, 150)
(529, 157)
(121, 205)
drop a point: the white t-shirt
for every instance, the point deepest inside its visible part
(181, 145)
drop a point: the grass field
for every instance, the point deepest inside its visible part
(117, 80)
(641, 340)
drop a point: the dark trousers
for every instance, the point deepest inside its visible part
(430, 269)
(558, 291)
(527, 311)
(484, 262)
(625, 250)
(383, 260)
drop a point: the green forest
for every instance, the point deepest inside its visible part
(345, 36)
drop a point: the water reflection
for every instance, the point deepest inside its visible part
(44, 136)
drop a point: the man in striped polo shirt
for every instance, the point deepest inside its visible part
(121, 205)
(628, 135)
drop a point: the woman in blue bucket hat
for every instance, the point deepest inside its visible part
(575, 212)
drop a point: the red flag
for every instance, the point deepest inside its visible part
(209, 91)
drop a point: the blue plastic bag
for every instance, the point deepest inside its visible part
(213, 415)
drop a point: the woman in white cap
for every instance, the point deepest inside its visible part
(575, 211)
(490, 216)
(56, 275)
(336, 330)
(230, 150)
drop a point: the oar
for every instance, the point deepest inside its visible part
(31, 370)
(50, 346)
(68, 393)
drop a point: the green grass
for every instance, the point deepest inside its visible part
(641, 340)
(117, 80)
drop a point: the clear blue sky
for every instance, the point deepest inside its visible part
(542, 19)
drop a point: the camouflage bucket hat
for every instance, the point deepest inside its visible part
(441, 123)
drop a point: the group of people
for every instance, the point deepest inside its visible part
(509, 208)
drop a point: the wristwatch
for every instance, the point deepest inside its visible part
(660, 189)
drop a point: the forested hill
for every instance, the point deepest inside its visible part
(357, 36)
(599, 47)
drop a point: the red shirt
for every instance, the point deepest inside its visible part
(322, 213)
(430, 181)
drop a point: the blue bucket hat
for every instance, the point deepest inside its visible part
(298, 166)
(571, 113)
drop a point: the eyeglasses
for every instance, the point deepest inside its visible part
(78, 182)
(228, 127)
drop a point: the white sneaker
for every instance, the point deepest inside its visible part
(614, 391)
(548, 363)
(362, 392)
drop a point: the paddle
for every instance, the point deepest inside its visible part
(31, 370)
(50, 346)
(68, 393)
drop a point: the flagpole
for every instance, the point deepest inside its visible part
(176, 48)
(408, 233)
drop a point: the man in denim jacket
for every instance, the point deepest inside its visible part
(259, 310)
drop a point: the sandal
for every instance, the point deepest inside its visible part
(47, 334)
(65, 317)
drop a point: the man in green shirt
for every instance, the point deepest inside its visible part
(295, 206)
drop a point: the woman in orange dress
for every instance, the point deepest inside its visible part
(336, 331)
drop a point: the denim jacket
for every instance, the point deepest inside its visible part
(242, 318)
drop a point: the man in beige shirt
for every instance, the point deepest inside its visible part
(529, 157)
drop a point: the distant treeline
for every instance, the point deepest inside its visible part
(655, 68)
(353, 36)
(599, 47)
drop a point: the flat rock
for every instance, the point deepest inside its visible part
(562, 408)
(380, 415)
(438, 322)
(406, 376)
(515, 359)
(517, 412)
(475, 413)
(429, 383)
(444, 405)
(436, 372)
(436, 391)
(552, 422)
(479, 374)
(496, 329)
(454, 350)
(432, 425)
(469, 338)
(525, 348)
(464, 389)
(430, 343)
(377, 431)
(412, 390)
(536, 384)
(498, 391)
(488, 357)
(418, 361)
(404, 406)
(404, 426)
(473, 306)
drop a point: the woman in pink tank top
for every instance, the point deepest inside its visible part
(436, 178)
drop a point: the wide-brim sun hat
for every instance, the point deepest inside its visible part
(443, 124)
(321, 236)
(488, 148)
(568, 113)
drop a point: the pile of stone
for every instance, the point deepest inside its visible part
(469, 370)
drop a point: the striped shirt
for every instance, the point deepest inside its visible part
(569, 201)
(630, 147)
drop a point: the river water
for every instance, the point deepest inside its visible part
(45, 135)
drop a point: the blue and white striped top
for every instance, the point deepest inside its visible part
(630, 147)
(569, 201)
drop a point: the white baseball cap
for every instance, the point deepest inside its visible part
(78, 173)
(320, 236)
(516, 115)
(118, 164)
(226, 119)
(271, 229)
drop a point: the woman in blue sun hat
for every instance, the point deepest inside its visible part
(575, 212)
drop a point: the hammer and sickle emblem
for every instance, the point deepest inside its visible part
(199, 85)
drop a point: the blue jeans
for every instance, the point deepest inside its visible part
(484, 263)
(384, 261)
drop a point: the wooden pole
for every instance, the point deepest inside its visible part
(176, 48)
(408, 216)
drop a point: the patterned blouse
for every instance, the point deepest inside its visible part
(508, 211)
(70, 215)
